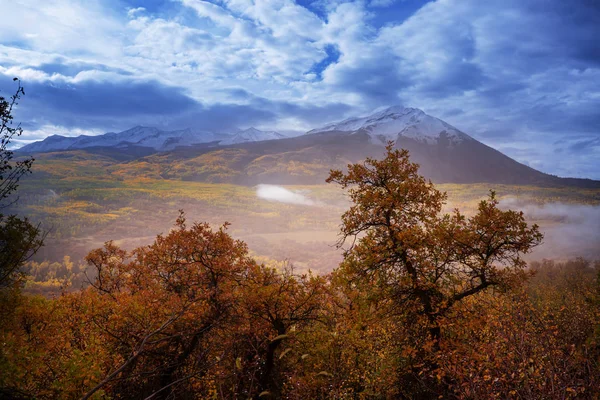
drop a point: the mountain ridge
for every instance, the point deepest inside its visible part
(382, 125)
(152, 137)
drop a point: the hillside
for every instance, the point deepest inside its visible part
(307, 160)
(86, 197)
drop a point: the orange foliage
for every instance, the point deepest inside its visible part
(424, 305)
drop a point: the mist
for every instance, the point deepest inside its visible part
(570, 230)
(283, 195)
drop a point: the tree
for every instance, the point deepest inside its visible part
(19, 239)
(276, 307)
(160, 309)
(10, 172)
(424, 262)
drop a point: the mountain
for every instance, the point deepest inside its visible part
(444, 153)
(148, 137)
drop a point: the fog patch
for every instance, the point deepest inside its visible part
(46, 196)
(52, 194)
(283, 195)
(570, 230)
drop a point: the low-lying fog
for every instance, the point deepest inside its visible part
(299, 224)
(570, 230)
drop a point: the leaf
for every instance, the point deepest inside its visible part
(238, 363)
(266, 393)
(325, 374)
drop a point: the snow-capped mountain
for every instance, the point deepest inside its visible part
(393, 123)
(444, 153)
(149, 137)
(52, 143)
(252, 135)
(398, 121)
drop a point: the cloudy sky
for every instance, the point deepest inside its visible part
(522, 76)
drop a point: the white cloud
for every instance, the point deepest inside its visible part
(64, 26)
(381, 3)
(132, 12)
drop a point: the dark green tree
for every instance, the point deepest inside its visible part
(19, 238)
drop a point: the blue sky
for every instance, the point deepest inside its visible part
(522, 76)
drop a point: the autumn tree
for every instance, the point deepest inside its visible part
(351, 353)
(161, 306)
(404, 249)
(276, 307)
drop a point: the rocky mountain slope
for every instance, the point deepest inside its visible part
(397, 121)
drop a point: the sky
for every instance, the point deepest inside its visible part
(522, 76)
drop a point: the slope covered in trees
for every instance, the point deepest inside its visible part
(424, 305)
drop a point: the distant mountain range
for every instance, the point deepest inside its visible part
(251, 156)
(152, 138)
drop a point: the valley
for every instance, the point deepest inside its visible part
(83, 203)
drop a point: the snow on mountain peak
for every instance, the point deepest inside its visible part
(252, 135)
(398, 121)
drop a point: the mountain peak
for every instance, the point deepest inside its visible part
(395, 109)
(397, 121)
(252, 130)
(140, 128)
